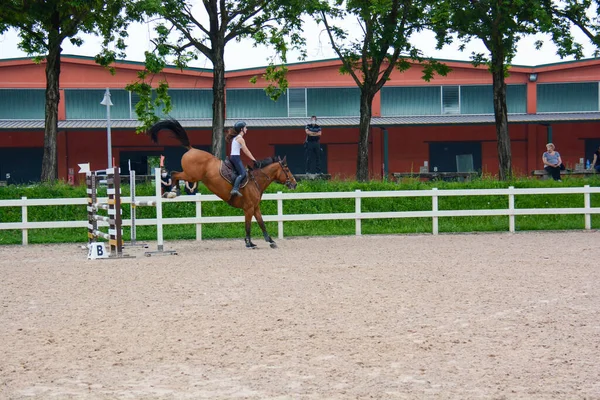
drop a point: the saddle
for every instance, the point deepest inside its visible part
(228, 172)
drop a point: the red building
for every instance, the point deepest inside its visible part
(447, 122)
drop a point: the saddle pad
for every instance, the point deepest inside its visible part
(228, 173)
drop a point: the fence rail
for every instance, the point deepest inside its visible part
(358, 215)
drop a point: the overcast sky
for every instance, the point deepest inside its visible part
(245, 55)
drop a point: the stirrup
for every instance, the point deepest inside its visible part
(235, 193)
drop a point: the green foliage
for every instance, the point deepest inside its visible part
(37, 21)
(43, 26)
(500, 25)
(387, 27)
(185, 31)
(312, 228)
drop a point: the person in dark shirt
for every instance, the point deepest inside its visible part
(191, 188)
(312, 145)
(166, 184)
(596, 163)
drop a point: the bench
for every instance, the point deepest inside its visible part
(569, 172)
(466, 176)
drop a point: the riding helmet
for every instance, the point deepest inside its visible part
(239, 126)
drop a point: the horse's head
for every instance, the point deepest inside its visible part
(284, 175)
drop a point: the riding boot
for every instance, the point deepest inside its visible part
(236, 186)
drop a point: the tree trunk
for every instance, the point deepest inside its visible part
(49, 160)
(218, 142)
(501, 118)
(364, 128)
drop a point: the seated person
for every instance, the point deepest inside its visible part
(596, 163)
(191, 188)
(166, 184)
(552, 162)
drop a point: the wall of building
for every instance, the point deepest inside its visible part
(409, 146)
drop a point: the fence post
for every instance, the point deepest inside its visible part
(434, 209)
(199, 215)
(24, 220)
(511, 209)
(357, 208)
(279, 215)
(587, 207)
(159, 222)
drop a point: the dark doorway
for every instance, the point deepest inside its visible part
(591, 145)
(21, 164)
(455, 156)
(295, 157)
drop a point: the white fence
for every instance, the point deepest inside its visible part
(358, 215)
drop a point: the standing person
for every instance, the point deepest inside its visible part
(312, 145)
(596, 163)
(236, 135)
(552, 162)
(191, 188)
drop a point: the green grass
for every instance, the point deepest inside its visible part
(325, 206)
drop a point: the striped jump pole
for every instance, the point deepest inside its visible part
(112, 206)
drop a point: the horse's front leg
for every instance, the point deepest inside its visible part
(248, 216)
(261, 223)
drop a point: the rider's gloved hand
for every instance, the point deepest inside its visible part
(257, 164)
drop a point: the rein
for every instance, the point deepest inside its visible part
(254, 177)
(288, 181)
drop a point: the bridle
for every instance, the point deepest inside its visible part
(288, 179)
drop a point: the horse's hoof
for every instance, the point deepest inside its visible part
(250, 246)
(273, 245)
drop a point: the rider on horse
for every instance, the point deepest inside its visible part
(236, 137)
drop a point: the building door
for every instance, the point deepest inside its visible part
(591, 145)
(296, 160)
(455, 156)
(21, 164)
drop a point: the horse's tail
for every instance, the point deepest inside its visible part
(176, 129)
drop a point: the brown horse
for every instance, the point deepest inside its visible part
(201, 166)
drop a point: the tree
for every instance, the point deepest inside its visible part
(500, 24)
(184, 32)
(582, 14)
(386, 27)
(43, 25)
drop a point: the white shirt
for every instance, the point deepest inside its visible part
(235, 146)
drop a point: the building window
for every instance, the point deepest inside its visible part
(22, 103)
(410, 100)
(333, 102)
(254, 103)
(450, 100)
(297, 102)
(567, 97)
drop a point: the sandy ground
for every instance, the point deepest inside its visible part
(484, 316)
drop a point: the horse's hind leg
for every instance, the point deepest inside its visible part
(261, 223)
(180, 176)
(248, 215)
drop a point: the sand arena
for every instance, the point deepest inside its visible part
(481, 316)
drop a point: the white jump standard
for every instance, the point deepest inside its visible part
(159, 225)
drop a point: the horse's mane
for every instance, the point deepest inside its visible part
(268, 161)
